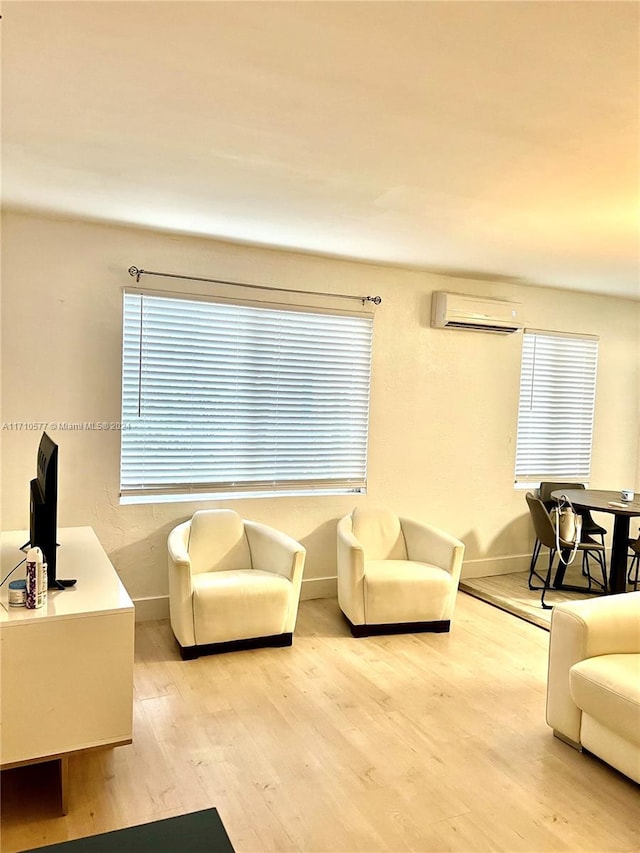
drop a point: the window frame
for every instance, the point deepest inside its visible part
(566, 378)
(321, 418)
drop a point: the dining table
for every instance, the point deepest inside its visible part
(602, 500)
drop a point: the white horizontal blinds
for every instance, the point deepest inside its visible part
(555, 415)
(226, 397)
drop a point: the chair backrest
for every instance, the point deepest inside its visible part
(544, 493)
(541, 519)
(217, 542)
(379, 532)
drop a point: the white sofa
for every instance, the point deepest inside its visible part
(395, 574)
(593, 687)
(233, 583)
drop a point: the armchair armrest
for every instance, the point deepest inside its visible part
(428, 544)
(350, 552)
(274, 551)
(585, 629)
(350, 565)
(180, 589)
(177, 545)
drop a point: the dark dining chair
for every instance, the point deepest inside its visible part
(590, 527)
(546, 536)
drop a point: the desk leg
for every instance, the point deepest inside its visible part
(64, 783)
(618, 570)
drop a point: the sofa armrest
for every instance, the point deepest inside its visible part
(428, 544)
(606, 625)
(274, 551)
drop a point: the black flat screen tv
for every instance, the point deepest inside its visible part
(43, 506)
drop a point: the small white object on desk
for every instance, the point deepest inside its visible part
(618, 503)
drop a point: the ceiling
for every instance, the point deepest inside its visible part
(494, 139)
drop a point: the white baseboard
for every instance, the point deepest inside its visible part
(505, 565)
(487, 566)
(328, 587)
(158, 607)
(148, 609)
(319, 588)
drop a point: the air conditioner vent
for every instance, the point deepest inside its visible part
(473, 313)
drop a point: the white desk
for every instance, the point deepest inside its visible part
(66, 670)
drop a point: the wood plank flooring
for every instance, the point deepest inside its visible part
(511, 592)
(429, 742)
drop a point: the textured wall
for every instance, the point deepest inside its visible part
(443, 403)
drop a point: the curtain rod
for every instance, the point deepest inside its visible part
(135, 272)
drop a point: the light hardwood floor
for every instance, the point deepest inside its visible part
(430, 742)
(511, 592)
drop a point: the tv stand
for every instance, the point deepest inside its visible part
(66, 682)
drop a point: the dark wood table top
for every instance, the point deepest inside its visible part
(599, 500)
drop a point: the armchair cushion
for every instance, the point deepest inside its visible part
(380, 534)
(403, 591)
(239, 604)
(217, 542)
(607, 688)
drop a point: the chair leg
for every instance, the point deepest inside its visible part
(635, 562)
(547, 581)
(537, 545)
(604, 560)
(586, 568)
(585, 565)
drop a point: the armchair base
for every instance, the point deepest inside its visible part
(275, 641)
(441, 626)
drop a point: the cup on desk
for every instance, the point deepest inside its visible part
(627, 494)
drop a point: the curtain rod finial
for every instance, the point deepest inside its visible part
(134, 271)
(375, 299)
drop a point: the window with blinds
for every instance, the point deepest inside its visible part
(555, 414)
(222, 398)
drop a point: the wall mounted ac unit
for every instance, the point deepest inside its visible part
(457, 311)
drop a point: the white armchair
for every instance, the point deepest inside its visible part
(396, 575)
(593, 684)
(232, 583)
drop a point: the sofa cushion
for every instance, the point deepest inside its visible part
(404, 591)
(607, 688)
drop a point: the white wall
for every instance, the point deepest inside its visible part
(443, 405)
